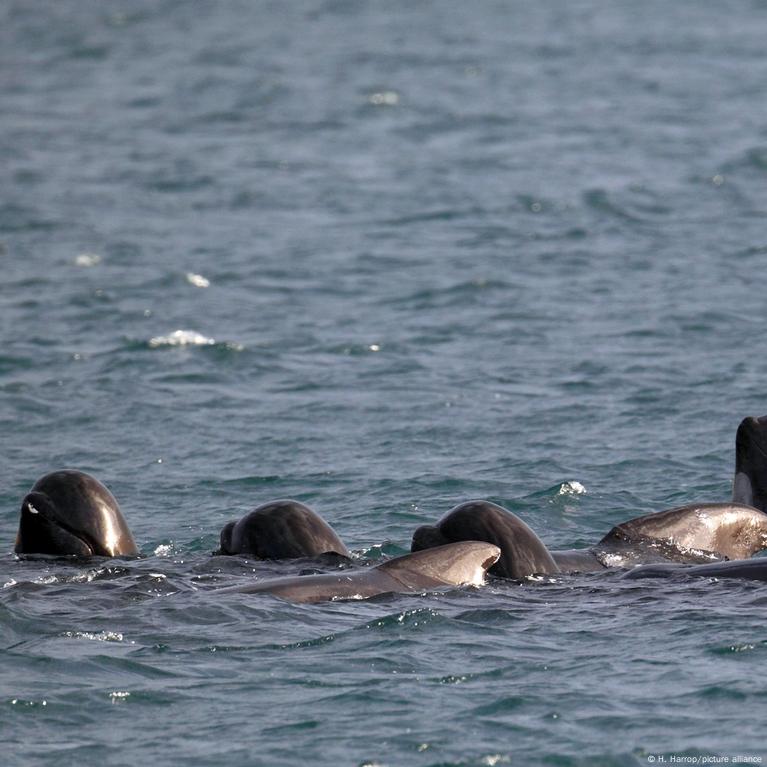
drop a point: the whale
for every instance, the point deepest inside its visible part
(70, 513)
(281, 529)
(456, 564)
(750, 569)
(749, 485)
(696, 533)
(522, 551)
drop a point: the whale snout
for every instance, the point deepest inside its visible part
(43, 531)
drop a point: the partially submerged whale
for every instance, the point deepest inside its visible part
(281, 529)
(457, 564)
(688, 534)
(749, 485)
(522, 551)
(752, 569)
(70, 513)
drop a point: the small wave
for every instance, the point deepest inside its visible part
(501, 706)
(191, 338)
(409, 618)
(634, 205)
(316, 642)
(729, 649)
(101, 636)
(380, 551)
(46, 580)
(453, 679)
(181, 338)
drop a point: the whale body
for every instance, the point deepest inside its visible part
(458, 564)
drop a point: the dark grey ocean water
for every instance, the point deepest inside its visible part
(381, 258)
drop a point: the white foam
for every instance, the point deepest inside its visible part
(197, 280)
(191, 338)
(384, 98)
(164, 549)
(573, 487)
(612, 560)
(181, 338)
(101, 636)
(87, 260)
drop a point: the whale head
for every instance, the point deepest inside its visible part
(750, 482)
(70, 513)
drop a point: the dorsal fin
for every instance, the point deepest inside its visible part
(455, 564)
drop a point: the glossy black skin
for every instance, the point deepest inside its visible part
(281, 529)
(750, 483)
(522, 551)
(70, 513)
(751, 569)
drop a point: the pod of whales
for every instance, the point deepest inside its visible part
(71, 513)
(458, 564)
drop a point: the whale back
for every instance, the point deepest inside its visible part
(714, 530)
(751, 569)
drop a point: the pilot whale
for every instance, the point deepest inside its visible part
(70, 513)
(751, 569)
(749, 485)
(282, 529)
(690, 534)
(457, 564)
